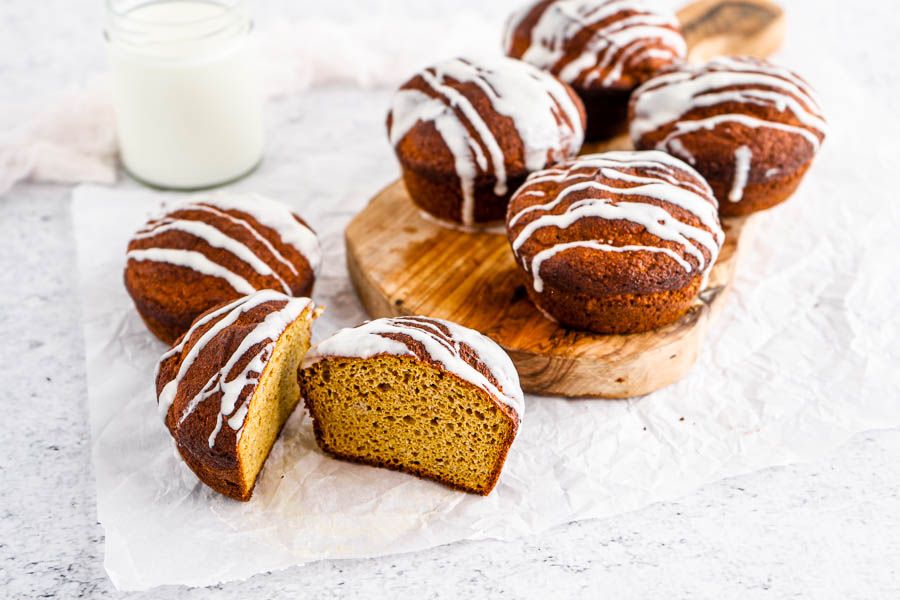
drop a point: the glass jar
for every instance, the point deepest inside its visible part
(185, 90)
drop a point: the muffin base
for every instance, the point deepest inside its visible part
(757, 195)
(618, 314)
(166, 326)
(441, 197)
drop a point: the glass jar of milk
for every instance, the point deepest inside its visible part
(185, 90)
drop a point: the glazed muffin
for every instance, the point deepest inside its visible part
(212, 250)
(602, 48)
(615, 243)
(467, 134)
(415, 394)
(749, 127)
(226, 389)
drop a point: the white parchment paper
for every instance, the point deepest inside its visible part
(806, 353)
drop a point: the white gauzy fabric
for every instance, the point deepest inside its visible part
(72, 142)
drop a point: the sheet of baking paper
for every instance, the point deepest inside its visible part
(806, 353)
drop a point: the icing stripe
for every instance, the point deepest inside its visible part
(250, 229)
(483, 134)
(684, 127)
(658, 164)
(217, 239)
(179, 347)
(275, 216)
(369, 340)
(264, 334)
(231, 314)
(667, 98)
(195, 261)
(261, 212)
(742, 158)
(654, 219)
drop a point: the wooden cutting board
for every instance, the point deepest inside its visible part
(403, 264)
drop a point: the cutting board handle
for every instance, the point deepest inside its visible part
(746, 27)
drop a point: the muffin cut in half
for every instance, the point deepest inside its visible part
(752, 129)
(415, 394)
(615, 243)
(602, 48)
(228, 386)
(466, 135)
(214, 249)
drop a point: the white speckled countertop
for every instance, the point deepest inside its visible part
(829, 529)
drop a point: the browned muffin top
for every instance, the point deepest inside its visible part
(596, 44)
(448, 346)
(615, 223)
(205, 381)
(738, 117)
(216, 248)
(501, 119)
(249, 242)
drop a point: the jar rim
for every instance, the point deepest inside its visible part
(128, 26)
(125, 9)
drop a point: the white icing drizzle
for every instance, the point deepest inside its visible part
(195, 261)
(669, 98)
(264, 211)
(677, 148)
(275, 216)
(660, 165)
(682, 128)
(217, 239)
(165, 400)
(546, 118)
(657, 180)
(250, 229)
(644, 34)
(222, 381)
(742, 157)
(367, 341)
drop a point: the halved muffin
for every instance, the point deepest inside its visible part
(415, 394)
(227, 387)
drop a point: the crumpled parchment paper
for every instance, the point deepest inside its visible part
(805, 354)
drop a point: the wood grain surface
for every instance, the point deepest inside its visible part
(402, 263)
